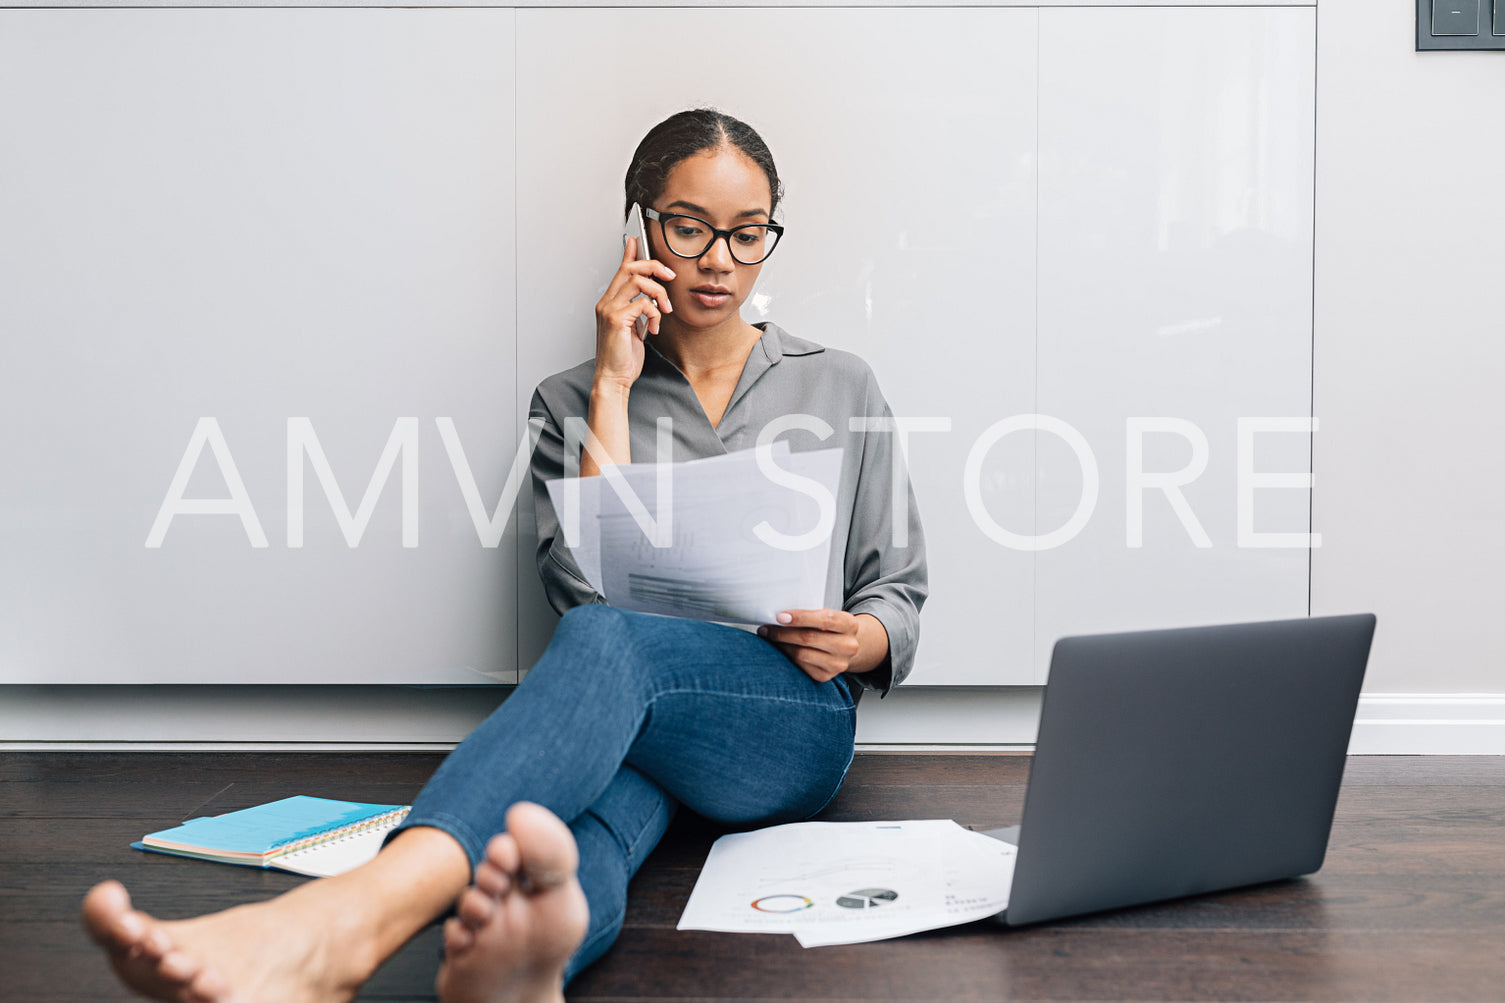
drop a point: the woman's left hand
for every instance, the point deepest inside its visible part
(822, 642)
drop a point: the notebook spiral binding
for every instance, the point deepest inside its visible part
(319, 839)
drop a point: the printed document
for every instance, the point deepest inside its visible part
(850, 882)
(737, 538)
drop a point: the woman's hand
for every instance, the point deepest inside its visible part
(824, 643)
(619, 350)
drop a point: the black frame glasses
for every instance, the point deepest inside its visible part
(662, 217)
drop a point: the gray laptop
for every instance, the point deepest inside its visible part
(1177, 762)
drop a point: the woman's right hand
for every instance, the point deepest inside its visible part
(619, 350)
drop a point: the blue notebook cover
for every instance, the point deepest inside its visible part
(255, 835)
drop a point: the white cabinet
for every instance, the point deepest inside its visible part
(1175, 271)
(378, 218)
(1168, 247)
(251, 216)
(905, 140)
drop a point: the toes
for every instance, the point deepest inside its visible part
(156, 944)
(128, 932)
(457, 937)
(548, 851)
(208, 985)
(133, 938)
(501, 853)
(492, 880)
(523, 917)
(176, 966)
(475, 908)
(108, 917)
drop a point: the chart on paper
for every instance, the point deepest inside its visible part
(850, 882)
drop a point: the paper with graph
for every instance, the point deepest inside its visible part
(850, 882)
(737, 539)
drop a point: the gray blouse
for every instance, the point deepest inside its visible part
(783, 375)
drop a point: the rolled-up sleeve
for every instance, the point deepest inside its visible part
(885, 579)
(563, 581)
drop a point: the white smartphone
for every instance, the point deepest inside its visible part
(637, 227)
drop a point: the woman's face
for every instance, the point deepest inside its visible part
(726, 189)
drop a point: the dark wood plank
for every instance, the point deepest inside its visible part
(176, 786)
(977, 963)
(1425, 771)
(1434, 816)
(1410, 903)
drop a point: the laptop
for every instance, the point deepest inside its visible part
(1177, 762)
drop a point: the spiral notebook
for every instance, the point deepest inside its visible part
(319, 837)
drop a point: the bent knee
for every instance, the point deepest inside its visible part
(593, 639)
(592, 624)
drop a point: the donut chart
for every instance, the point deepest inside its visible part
(782, 903)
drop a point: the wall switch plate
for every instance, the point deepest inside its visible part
(1455, 17)
(1460, 24)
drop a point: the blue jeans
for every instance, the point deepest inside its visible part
(627, 715)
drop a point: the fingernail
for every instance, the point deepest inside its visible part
(763, 631)
(785, 618)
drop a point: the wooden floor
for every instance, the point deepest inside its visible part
(1410, 904)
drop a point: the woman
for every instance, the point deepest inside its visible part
(625, 715)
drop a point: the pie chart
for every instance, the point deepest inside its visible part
(867, 898)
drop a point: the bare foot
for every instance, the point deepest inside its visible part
(303, 946)
(522, 919)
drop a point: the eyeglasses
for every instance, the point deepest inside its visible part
(691, 237)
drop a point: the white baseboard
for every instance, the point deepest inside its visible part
(1387, 724)
(960, 718)
(396, 718)
(1430, 724)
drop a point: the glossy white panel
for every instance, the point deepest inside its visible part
(252, 215)
(1176, 176)
(660, 3)
(1410, 353)
(906, 140)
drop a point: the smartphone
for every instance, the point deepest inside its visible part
(637, 226)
